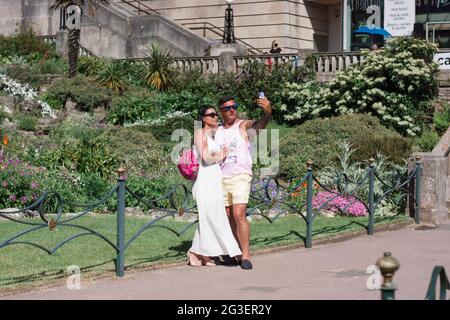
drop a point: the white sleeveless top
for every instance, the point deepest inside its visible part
(239, 159)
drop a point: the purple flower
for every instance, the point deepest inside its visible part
(34, 185)
(5, 184)
(13, 197)
(23, 199)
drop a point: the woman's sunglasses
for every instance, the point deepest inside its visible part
(212, 115)
(228, 108)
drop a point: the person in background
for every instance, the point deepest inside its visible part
(275, 48)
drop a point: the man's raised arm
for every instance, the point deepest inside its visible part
(262, 123)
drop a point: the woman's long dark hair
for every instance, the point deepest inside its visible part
(202, 112)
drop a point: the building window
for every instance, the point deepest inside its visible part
(363, 13)
(434, 13)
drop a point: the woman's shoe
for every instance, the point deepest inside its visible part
(192, 260)
(207, 261)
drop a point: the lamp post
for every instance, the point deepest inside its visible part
(228, 33)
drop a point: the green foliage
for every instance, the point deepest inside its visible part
(3, 115)
(27, 123)
(24, 43)
(149, 189)
(442, 120)
(77, 145)
(163, 129)
(131, 108)
(428, 140)
(90, 66)
(53, 100)
(394, 84)
(318, 140)
(185, 101)
(81, 90)
(139, 152)
(49, 66)
(83, 155)
(254, 77)
(75, 127)
(158, 73)
(132, 72)
(23, 73)
(111, 77)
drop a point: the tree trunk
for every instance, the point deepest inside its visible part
(74, 49)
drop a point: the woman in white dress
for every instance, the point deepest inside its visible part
(213, 236)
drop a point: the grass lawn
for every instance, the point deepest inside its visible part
(23, 265)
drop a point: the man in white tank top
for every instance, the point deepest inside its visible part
(237, 168)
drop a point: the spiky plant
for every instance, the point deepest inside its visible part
(112, 78)
(74, 34)
(158, 73)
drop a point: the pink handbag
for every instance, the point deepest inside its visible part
(188, 165)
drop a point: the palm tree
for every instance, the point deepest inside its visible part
(74, 34)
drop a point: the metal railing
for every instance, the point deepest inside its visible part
(438, 274)
(265, 197)
(139, 6)
(388, 265)
(219, 32)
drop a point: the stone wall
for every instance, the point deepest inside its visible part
(294, 24)
(435, 182)
(36, 13)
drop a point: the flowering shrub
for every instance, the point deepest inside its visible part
(339, 204)
(395, 84)
(26, 92)
(19, 182)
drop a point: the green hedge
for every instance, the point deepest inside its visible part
(318, 140)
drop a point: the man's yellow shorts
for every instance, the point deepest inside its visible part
(236, 189)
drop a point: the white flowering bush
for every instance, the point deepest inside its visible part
(24, 91)
(396, 84)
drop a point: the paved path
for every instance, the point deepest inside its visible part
(336, 271)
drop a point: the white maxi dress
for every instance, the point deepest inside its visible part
(213, 236)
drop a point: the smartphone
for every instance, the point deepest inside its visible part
(261, 95)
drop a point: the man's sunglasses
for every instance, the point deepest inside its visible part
(212, 115)
(228, 108)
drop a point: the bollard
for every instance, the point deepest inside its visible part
(388, 266)
(309, 208)
(120, 260)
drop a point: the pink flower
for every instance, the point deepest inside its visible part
(23, 199)
(13, 197)
(337, 203)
